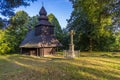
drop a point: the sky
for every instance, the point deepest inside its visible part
(60, 8)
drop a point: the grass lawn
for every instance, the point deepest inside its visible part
(20, 67)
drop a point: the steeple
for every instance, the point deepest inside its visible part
(43, 11)
(43, 19)
(44, 27)
(43, 14)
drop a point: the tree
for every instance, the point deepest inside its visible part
(93, 21)
(19, 19)
(57, 27)
(7, 6)
(65, 39)
(4, 44)
(1, 23)
(33, 21)
(17, 30)
(117, 42)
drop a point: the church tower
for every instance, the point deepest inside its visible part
(40, 41)
(44, 27)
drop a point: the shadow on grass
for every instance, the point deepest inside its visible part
(12, 68)
(94, 73)
(30, 68)
(109, 61)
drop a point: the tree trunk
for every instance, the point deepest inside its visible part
(90, 45)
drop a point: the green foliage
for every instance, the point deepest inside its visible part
(57, 28)
(1, 23)
(92, 21)
(14, 34)
(33, 21)
(7, 6)
(4, 45)
(19, 19)
(117, 41)
(65, 39)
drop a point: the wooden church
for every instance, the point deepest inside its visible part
(40, 41)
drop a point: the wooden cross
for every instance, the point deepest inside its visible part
(42, 4)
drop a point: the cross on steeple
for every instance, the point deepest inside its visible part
(42, 3)
(42, 10)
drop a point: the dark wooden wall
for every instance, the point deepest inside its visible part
(39, 51)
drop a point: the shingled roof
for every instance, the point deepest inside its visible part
(32, 41)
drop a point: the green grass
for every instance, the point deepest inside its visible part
(20, 67)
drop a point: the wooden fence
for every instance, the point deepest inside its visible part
(66, 53)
